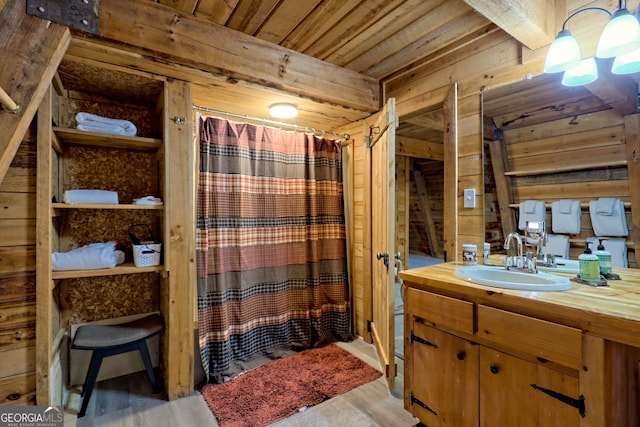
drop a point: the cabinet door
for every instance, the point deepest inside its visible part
(508, 396)
(444, 380)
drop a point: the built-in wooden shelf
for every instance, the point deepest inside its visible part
(583, 205)
(126, 268)
(105, 206)
(58, 208)
(555, 168)
(97, 139)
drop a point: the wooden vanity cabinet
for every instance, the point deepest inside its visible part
(508, 396)
(472, 365)
(446, 395)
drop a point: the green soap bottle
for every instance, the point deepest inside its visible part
(589, 265)
(604, 258)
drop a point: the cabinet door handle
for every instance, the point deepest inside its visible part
(494, 369)
(461, 355)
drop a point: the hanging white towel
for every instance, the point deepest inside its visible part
(91, 196)
(617, 248)
(531, 210)
(565, 216)
(94, 123)
(557, 245)
(92, 256)
(608, 217)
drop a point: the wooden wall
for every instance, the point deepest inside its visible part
(17, 277)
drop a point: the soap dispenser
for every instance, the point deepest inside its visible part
(604, 258)
(589, 265)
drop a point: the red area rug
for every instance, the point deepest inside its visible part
(278, 389)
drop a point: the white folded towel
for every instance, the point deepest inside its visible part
(557, 245)
(91, 196)
(531, 210)
(565, 216)
(608, 217)
(617, 248)
(92, 256)
(148, 200)
(94, 123)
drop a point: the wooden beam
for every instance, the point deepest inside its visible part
(413, 147)
(504, 193)
(427, 217)
(532, 23)
(618, 91)
(151, 27)
(632, 136)
(179, 299)
(31, 49)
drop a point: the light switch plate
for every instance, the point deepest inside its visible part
(469, 197)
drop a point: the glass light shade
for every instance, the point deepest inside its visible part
(627, 64)
(621, 35)
(563, 53)
(584, 73)
(283, 110)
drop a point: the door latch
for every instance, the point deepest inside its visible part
(385, 256)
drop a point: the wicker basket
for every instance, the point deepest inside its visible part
(145, 253)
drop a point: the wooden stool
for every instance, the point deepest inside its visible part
(109, 340)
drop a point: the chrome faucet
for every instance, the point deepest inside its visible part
(519, 262)
(514, 235)
(536, 235)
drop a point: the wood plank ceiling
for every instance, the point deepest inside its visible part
(374, 37)
(378, 38)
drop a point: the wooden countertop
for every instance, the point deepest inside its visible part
(611, 312)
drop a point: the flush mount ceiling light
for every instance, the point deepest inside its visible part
(283, 110)
(620, 36)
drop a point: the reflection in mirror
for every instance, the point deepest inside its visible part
(549, 143)
(420, 188)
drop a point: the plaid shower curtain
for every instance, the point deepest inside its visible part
(271, 245)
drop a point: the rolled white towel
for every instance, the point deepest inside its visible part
(91, 196)
(94, 123)
(88, 257)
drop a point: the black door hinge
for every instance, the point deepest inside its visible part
(422, 340)
(422, 404)
(576, 403)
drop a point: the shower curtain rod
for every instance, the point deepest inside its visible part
(297, 128)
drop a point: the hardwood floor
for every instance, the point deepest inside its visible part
(127, 401)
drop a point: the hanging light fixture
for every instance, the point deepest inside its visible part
(584, 73)
(283, 110)
(621, 36)
(564, 53)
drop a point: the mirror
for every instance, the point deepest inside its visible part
(420, 188)
(547, 142)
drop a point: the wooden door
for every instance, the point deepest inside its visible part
(380, 129)
(516, 392)
(443, 378)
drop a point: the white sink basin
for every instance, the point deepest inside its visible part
(502, 278)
